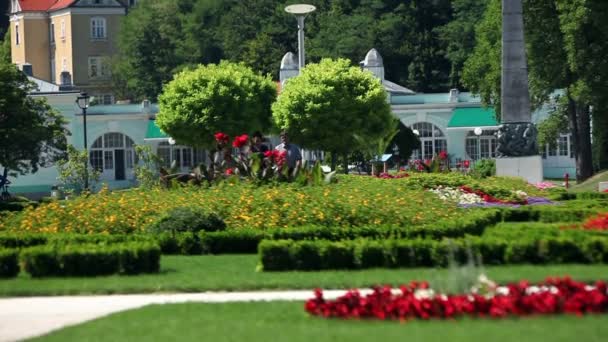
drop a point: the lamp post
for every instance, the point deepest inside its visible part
(83, 103)
(478, 131)
(300, 11)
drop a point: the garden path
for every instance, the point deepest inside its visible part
(26, 317)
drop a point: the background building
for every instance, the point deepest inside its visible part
(67, 42)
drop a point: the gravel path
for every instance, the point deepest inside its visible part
(26, 317)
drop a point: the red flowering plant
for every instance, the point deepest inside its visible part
(237, 162)
(418, 301)
(598, 222)
(439, 163)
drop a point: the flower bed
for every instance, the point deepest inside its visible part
(417, 301)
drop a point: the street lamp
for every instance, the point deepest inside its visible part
(478, 131)
(300, 11)
(83, 103)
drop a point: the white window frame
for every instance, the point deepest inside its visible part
(436, 141)
(105, 145)
(98, 28)
(180, 153)
(487, 137)
(94, 67)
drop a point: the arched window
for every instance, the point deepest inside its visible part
(432, 140)
(113, 154)
(185, 157)
(482, 146)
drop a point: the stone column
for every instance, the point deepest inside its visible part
(517, 135)
(517, 149)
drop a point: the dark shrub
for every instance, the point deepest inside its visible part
(187, 219)
(9, 264)
(41, 261)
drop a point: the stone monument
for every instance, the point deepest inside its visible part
(517, 150)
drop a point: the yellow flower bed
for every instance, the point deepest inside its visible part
(353, 201)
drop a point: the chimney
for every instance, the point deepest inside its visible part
(145, 106)
(27, 69)
(454, 95)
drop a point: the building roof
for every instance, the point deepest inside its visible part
(289, 62)
(59, 4)
(473, 117)
(373, 59)
(396, 89)
(43, 86)
(36, 5)
(154, 132)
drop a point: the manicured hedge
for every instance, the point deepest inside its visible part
(22, 240)
(283, 255)
(585, 195)
(548, 214)
(9, 265)
(247, 240)
(91, 259)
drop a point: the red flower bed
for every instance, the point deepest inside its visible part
(487, 197)
(599, 222)
(554, 296)
(385, 175)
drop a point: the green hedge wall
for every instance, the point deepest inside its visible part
(91, 259)
(284, 255)
(9, 263)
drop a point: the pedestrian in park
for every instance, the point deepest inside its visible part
(258, 145)
(293, 157)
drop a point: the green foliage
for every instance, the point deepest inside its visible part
(5, 49)
(186, 219)
(228, 98)
(91, 259)
(9, 266)
(146, 170)
(74, 170)
(484, 168)
(33, 134)
(332, 106)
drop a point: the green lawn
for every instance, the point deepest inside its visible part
(237, 272)
(591, 183)
(283, 321)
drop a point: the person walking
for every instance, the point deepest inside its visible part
(293, 157)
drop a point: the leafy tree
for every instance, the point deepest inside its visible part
(333, 106)
(459, 35)
(564, 52)
(406, 141)
(151, 48)
(146, 170)
(32, 134)
(72, 172)
(5, 48)
(228, 98)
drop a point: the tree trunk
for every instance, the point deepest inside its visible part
(333, 160)
(4, 178)
(584, 165)
(345, 156)
(578, 116)
(600, 137)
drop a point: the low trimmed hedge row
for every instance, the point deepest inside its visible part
(91, 259)
(22, 240)
(9, 263)
(284, 255)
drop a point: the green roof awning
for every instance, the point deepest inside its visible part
(473, 117)
(154, 132)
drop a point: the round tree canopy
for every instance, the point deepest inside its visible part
(228, 98)
(333, 106)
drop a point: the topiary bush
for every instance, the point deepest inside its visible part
(484, 168)
(187, 219)
(9, 266)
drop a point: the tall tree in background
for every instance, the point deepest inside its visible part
(459, 35)
(5, 48)
(564, 52)
(32, 134)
